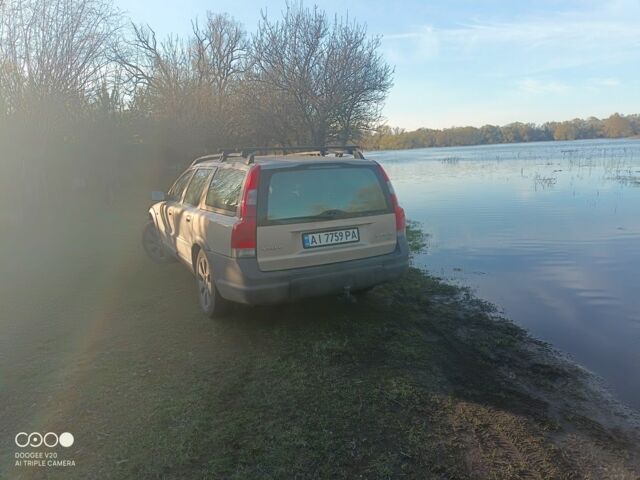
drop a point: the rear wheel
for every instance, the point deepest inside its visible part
(212, 304)
(153, 244)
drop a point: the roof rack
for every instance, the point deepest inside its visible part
(249, 153)
(222, 156)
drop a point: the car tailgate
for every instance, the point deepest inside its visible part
(283, 247)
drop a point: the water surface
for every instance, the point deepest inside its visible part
(549, 231)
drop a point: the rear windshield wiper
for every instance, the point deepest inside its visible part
(326, 215)
(334, 213)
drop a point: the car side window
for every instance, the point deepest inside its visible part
(224, 190)
(196, 186)
(175, 192)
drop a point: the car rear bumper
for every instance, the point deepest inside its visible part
(240, 279)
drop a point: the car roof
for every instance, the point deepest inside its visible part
(276, 161)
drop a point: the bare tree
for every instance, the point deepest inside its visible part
(332, 71)
(79, 93)
(191, 81)
(218, 50)
(162, 66)
(54, 47)
(54, 58)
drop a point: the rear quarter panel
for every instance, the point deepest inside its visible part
(212, 231)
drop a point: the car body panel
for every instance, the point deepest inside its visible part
(280, 247)
(242, 281)
(187, 216)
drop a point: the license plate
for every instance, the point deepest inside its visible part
(333, 237)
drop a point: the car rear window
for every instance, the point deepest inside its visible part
(224, 190)
(324, 193)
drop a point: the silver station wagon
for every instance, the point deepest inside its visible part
(265, 226)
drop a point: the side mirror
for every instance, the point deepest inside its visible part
(157, 196)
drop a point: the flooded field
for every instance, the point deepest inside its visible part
(550, 232)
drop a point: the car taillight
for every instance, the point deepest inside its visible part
(244, 233)
(401, 222)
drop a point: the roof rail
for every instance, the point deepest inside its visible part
(222, 156)
(249, 153)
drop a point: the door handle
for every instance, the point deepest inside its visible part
(188, 218)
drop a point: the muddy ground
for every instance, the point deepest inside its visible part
(418, 379)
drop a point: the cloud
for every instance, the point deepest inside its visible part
(558, 32)
(605, 82)
(531, 85)
(552, 42)
(423, 45)
(548, 61)
(535, 86)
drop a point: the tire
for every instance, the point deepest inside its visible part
(153, 246)
(211, 302)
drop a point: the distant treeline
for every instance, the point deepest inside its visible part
(616, 126)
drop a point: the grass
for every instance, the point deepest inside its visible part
(409, 383)
(419, 379)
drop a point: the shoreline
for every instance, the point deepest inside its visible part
(634, 137)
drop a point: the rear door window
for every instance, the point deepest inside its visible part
(196, 186)
(224, 190)
(324, 193)
(175, 192)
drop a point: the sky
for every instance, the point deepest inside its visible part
(477, 62)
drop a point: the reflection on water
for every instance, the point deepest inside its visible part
(550, 232)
